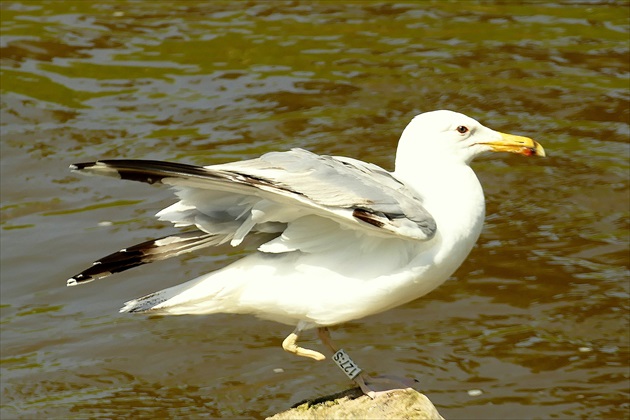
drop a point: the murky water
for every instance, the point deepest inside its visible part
(536, 319)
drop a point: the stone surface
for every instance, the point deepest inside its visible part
(352, 404)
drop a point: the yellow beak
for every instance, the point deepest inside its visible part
(517, 144)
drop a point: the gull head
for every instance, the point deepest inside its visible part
(443, 137)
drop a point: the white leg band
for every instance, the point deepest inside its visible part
(346, 364)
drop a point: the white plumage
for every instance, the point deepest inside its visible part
(337, 239)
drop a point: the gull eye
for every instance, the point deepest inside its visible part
(462, 129)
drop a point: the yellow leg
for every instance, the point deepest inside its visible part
(290, 345)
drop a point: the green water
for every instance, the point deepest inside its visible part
(537, 317)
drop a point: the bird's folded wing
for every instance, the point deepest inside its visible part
(356, 194)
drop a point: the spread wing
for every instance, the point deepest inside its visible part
(267, 194)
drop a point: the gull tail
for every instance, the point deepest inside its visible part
(144, 253)
(149, 301)
(163, 302)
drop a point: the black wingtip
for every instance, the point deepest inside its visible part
(81, 166)
(148, 171)
(79, 279)
(144, 253)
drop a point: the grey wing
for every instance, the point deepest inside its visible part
(346, 187)
(279, 196)
(156, 250)
(263, 194)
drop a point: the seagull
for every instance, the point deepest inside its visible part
(332, 239)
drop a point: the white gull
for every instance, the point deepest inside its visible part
(333, 239)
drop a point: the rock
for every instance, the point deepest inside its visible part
(352, 404)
